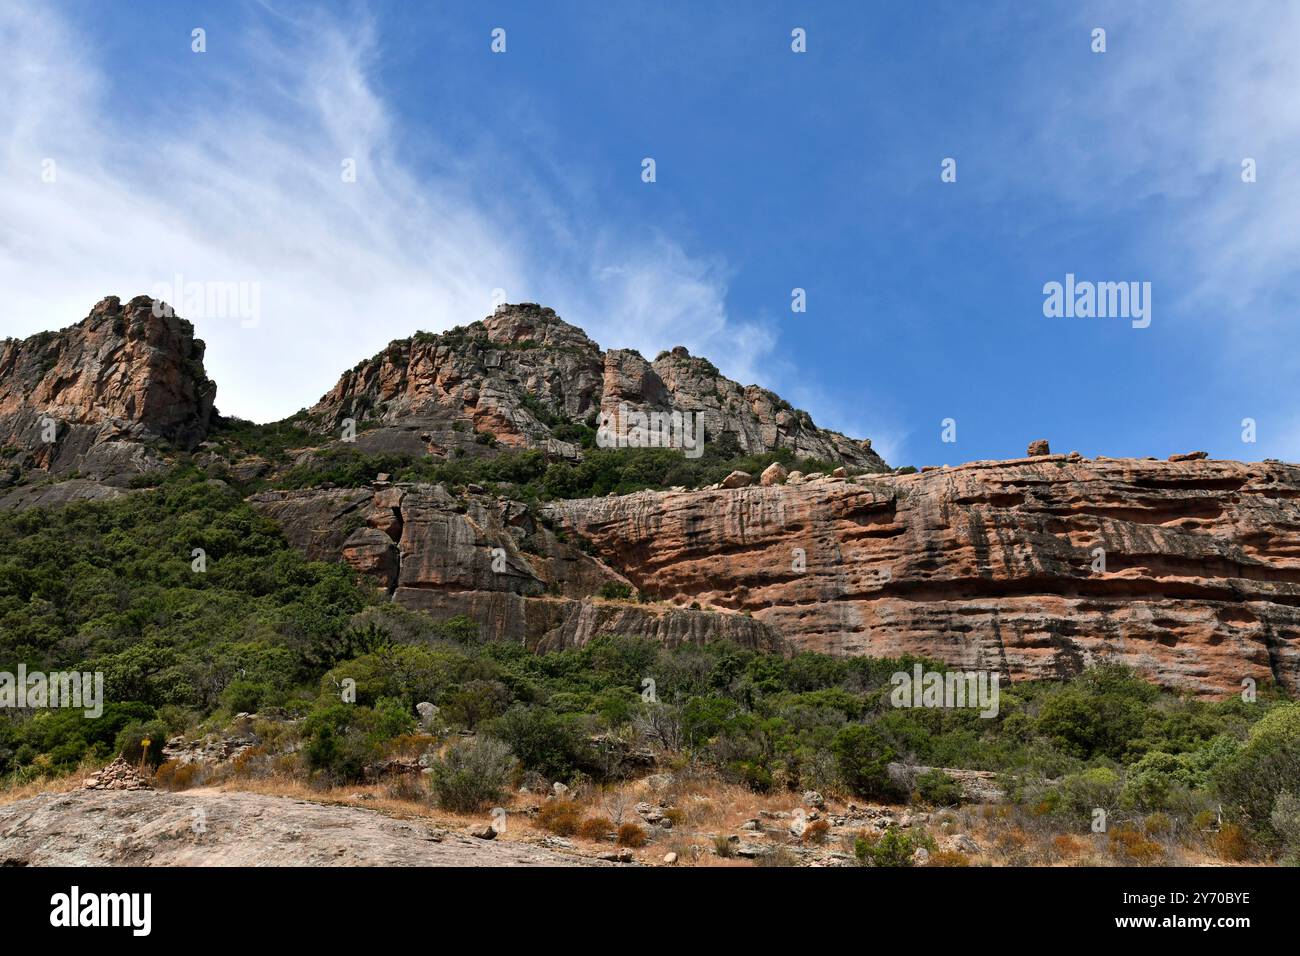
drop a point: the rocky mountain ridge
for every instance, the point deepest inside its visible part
(525, 377)
(117, 394)
(1188, 569)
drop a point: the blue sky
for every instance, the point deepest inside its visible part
(522, 171)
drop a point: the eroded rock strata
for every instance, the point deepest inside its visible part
(490, 559)
(991, 564)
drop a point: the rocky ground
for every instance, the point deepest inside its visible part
(211, 827)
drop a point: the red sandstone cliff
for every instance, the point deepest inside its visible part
(990, 565)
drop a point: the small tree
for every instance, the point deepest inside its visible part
(862, 757)
(1286, 824)
(473, 774)
(939, 788)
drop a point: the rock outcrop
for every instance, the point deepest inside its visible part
(1188, 571)
(492, 560)
(524, 378)
(99, 397)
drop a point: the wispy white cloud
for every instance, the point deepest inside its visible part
(1183, 94)
(1153, 137)
(249, 188)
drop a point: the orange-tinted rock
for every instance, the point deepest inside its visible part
(522, 373)
(737, 479)
(105, 389)
(489, 559)
(991, 564)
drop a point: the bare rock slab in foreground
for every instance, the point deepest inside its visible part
(207, 827)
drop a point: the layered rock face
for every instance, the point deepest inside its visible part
(1188, 570)
(523, 374)
(93, 397)
(490, 559)
(992, 565)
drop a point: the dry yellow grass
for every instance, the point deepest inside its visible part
(705, 807)
(10, 792)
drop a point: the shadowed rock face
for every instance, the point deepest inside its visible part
(991, 564)
(520, 372)
(111, 385)
(490, 559)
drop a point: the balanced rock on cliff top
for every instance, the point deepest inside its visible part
(1038, 447)
(737, 479)
(773, 474)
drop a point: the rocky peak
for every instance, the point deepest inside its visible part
(104, 389)
(531, 324)
(525, 378)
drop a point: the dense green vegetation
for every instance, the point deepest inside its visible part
(235, 437)
(528, 474)
(116, 587)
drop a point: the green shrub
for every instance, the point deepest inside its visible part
(473, 774)
(862, 757)
(543, 741)
(1148, 783)
(895, 847)
(1079, 794)
(1267, 764)
(339, 741)
(615, 591)
(1285, 820)
(131, 744)
(244, 696)
(1099, 717)
(939, 788)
